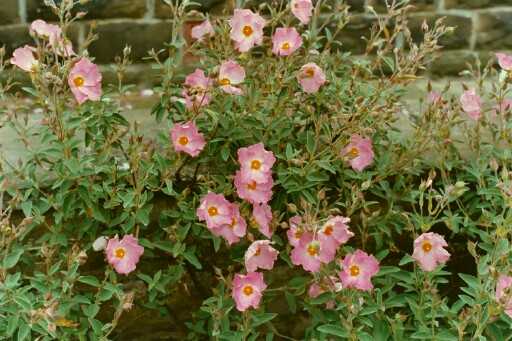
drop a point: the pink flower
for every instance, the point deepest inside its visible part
(231, 73)
(202, 30)
(285, 41)
(253, 192)
(23, 57)
(302, 9)
(248, 290)
(256, 163)
(311, 78)
(471, 104)
(359, 151)
(85, 81)
(53, 34)
(260, 255)
(310, 253)
(503, 107)
(433, 97)
(429, 252)
(246, 29)
(187, 138)
(357, 271)
(236, 229)
(295, 231)
(505, 61)
(328, 284)
(334, 233)
(215, 210)
(125, 254)
(196, 90)
(262, 214)
(504, 293)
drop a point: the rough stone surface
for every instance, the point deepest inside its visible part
(418, 5)
(142, 36)
(460, 38)
(9, 12)
(494, 30)
(352, 36)
(162, 10)
(451, 63)
(14, 36)
(449, 4)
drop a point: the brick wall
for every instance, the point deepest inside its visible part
(482, 26)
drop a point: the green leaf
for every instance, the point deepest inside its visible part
(333, 329)
(191, 257)
(12, 259)
(261, 318)
(90, 280)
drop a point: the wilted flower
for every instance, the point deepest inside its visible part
(505, 61)
(246, 29)
(248, 290)
(231, 73)
(23, 57)
(285, 41)
(471, 104)
(196, 90)
(295, 232)
(187, 138)
(357, 271)
(262, 214)
(503, 286)
(260, 255)
(302, 9)
(202, 30)
(434, 97)
(85, 81)
(125, 254)
(429, 251)
(311, 78)
(236, 229)
(359, 152)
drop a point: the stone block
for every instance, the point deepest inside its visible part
(473, 4)
(142, 36)
(162, 10)
(418, 5)
(451, 63)
(494, 30)
(14, 36)
(459, 39)
(9, 12)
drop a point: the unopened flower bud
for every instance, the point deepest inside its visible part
(100, 244)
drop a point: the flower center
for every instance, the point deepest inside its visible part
(285, 46)
(309, 72)
(120, 253)
(328, 230)
(252, 185)
(258, 252)
(256, 164)
(248, 290)
(354, 152)
(426, 246)
(224, 81)
(247, 31)
(354, 270)
(312, 250)
(183, 140)
(213, 211)
(233, 223)
(79, 81)
(298, 234)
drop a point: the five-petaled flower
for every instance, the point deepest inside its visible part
(186, 138)
(248, 290)
(85, 81)
(124, 254)
(246, 29)
(429, 251)
(357, 270)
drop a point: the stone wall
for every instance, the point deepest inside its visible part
(482, 26)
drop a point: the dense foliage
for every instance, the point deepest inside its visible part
(288, 193)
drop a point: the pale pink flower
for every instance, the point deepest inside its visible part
(260, 255)
(231, 73)
(311, 78)
(187, 138)
(285, 41)
(302, 9)
(202, 30)
(429, 251)
(505, 61)
(471, 104)
(359, 152)
(23, 57)
(253, 192)
(125, 254)
(310, 253)
(236, 229)
(53, 34)
(357, 270)
(504, 293)
(503, 107)
(295, 231)
(256, 163)
(246, 29)
(196, 90)
(215, 210)
(262, 214)
(434, 97)
(85, 81)
(334, 233)
(248, 290)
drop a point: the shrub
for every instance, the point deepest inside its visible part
(287, 194)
